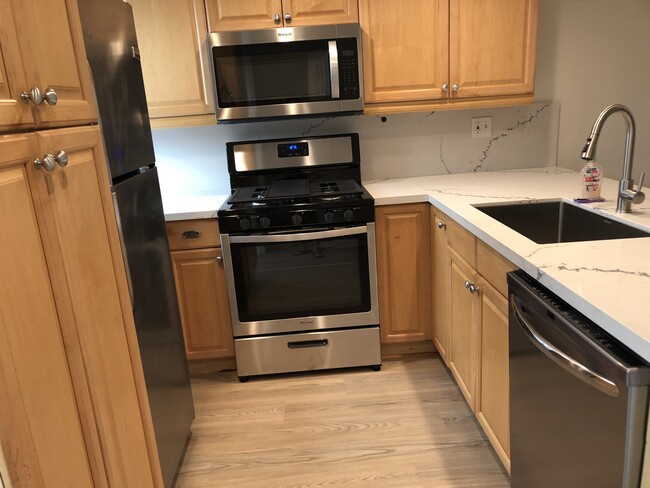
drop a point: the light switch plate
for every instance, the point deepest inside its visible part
(481, 126)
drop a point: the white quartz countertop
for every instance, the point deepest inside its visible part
(183, 206)
(608, 281)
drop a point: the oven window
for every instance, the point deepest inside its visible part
(265, 74)
(298, 279)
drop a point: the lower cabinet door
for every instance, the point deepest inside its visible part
(463, 323)
(203, 303)
(41, 437)
(492, 399)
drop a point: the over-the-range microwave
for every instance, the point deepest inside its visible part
(282, 72)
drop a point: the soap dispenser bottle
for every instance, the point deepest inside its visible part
(592, 180)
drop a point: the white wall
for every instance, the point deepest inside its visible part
(592, 53)
(193, 160)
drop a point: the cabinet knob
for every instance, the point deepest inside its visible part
(47, 163)
(277, 19)
(220, 259)
(50, 96)
(445, 87)
(61, 158)
(471, 286)
(33, 96)
(442, 225)
(287, 18)
(454, 88)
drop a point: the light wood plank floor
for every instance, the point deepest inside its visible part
(404, 426)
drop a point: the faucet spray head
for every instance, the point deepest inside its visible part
(588, 152)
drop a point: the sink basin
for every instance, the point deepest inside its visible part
(558, 221)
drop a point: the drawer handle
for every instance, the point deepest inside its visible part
(190, 234)
(303, 344)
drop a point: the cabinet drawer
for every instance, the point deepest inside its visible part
(493, 267)
(461, 241)
(193, 234)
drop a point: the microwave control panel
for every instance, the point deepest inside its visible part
(348, 69)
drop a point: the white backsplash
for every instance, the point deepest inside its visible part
(193, 159)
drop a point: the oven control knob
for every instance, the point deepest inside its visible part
(296, 219)
(265, 221)
(329, 216)
(244, 223)
(348, 215)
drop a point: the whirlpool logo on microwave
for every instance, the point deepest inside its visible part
(285, 34)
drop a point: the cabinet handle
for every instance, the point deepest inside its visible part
(287, 18)
(471, 287)
(445, 87)
(37, 98)
(190, 234)
(220, 259)
(33, 96)
(442, 225)
(47, 163)
(454, 88)
(277, 19)
(50, 96)
(61, 158)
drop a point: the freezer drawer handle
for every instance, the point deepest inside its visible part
(304, 344)
(191, 234)
(563, 360)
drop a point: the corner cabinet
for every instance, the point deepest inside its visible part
(403, 267)
(201, 289)
(471, 324)
(448, 53)
(228, 15)
(78, 404)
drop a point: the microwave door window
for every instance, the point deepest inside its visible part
(272, 74)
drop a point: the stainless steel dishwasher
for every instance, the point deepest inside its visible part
(578, 397)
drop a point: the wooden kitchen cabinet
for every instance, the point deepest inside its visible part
(228, 15)
(201, 289)
(471, 324)
(28, 62)
(441, 278)
(448, 53)
(76, 346)
(172, 38)
(403, 272)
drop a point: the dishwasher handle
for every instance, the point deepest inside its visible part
(562, 359)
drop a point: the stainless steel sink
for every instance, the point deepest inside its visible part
(558, 221)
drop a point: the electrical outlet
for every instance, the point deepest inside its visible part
(481, 126)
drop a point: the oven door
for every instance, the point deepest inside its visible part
(310, 280)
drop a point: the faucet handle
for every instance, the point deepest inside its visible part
(641, 178)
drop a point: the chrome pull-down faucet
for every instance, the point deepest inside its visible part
(627, 195)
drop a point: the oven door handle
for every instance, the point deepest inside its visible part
(302, 236)
(334, 68)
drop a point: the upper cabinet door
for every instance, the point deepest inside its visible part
(316, 12)
(13, 112)
(53, 58)
(492, 47)
(172, 40)
(229, 15)
(405, 54)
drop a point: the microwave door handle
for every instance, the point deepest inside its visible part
(334, 68)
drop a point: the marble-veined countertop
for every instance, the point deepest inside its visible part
(608, 281)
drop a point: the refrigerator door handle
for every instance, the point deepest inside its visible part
(123, 246)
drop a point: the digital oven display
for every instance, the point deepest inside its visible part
(293, 149)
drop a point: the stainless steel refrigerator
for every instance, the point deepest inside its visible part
(114, 59)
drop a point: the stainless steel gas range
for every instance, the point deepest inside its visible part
(298, 237)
